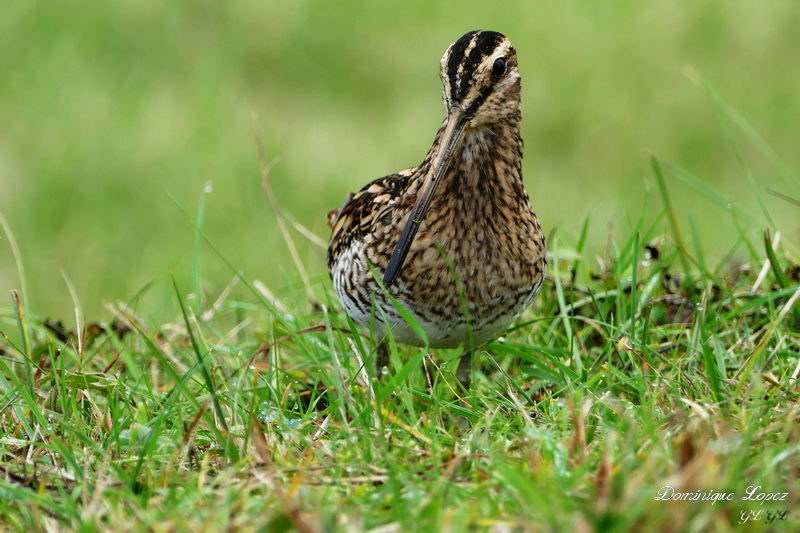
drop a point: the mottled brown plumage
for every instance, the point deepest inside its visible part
(472, 220)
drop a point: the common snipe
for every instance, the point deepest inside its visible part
(454, 239)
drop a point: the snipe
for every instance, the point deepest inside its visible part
(454, 239)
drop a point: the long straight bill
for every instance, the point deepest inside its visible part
(451, 138)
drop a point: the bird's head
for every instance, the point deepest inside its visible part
(480, 79)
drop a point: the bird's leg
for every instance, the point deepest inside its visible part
(381, 359)
(430, 377)
(464, 370)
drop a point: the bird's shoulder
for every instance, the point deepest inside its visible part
(362, 210)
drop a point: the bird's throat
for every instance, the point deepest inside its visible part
(485, 174)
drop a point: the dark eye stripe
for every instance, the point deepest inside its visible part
(478, 102)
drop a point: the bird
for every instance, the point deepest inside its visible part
(454, 241)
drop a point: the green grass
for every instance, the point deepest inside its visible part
(643, 369)
(182, 393)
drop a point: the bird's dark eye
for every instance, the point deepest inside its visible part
(499, 67)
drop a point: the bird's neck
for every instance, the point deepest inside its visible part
(486, 171)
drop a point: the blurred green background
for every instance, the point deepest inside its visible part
(109, 109)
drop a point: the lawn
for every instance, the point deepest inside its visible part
(168, 363)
